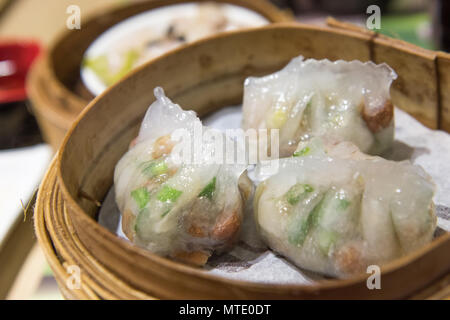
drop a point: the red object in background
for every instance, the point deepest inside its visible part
(15, 61)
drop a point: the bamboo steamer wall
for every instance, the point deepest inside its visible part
(423, 86)
(206, 76)
(55, 89)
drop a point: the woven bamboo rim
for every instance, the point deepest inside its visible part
(62, 248)
(97, 281)
(52, 83)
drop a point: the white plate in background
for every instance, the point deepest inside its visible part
(157, 20)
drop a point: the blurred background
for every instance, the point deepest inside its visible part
(28, 27)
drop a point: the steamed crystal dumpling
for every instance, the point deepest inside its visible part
(349, 101)
(171, 206)
(334, 210)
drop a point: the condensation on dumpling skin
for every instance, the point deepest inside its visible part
(361, 210)
(349, 100)
(182, 210)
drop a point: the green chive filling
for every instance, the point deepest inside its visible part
(142, 215)
(141, 196)
(208, 190)
(343, 204)
(165, 212)
(168, 194)
(156, 168)
(325, 239)
(296, 193)
(302, 152)
(300, 230)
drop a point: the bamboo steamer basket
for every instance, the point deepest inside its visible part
(62, 249)
(206, 76)
(54, 86)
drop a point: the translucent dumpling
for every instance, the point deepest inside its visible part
(172, 204)
(349, 101)
(334, 210)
